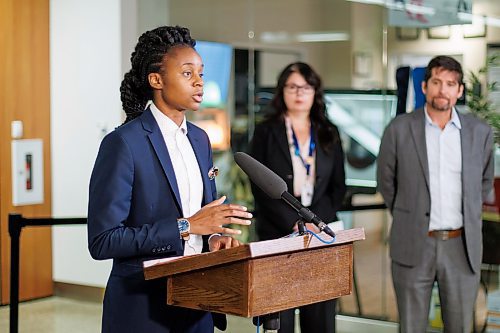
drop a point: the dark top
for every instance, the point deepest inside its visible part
(275, 218)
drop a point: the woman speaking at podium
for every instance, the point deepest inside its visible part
(152, 191)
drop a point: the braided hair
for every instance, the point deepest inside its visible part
(147, 58)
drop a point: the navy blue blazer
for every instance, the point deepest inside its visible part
(134, 204)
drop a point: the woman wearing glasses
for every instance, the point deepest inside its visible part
(300, 144)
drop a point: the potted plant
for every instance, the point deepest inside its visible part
(478, 100)
(480, 104)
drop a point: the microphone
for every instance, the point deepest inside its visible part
(276, 188)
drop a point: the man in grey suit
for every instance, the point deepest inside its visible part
(435, 166)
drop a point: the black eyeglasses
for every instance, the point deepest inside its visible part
(294, 89)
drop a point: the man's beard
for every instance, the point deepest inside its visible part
(440, 107)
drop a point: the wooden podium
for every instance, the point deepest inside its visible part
(262, 277)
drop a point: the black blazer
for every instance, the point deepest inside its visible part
(274, 217)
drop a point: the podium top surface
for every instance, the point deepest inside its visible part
(175, 265)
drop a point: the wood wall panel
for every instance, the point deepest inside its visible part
(25, 96)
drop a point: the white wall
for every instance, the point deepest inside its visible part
(368, 42)
(85, 61)
(90, 46)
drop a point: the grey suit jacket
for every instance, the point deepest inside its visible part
(403, 181)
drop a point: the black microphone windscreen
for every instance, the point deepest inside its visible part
(260, 175)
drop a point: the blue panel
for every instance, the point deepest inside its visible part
(217, 58)
(418, 74)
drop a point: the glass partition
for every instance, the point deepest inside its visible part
(361, 117)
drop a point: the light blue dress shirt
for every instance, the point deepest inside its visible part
(444, 155)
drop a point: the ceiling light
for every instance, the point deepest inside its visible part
(492, 21)
(370, 2)
(322, 37)
(479, 19)
(275, 37)
(303, 37)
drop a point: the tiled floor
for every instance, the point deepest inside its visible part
(63, 315)
(55, 315)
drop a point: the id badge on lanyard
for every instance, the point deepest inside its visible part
(307, 193)
(307, 190)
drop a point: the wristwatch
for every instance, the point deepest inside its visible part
(184, 228)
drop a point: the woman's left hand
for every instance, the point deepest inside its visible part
(218, 242)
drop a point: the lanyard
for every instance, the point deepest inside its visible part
(312, 146)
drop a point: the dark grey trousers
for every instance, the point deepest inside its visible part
(446, 263)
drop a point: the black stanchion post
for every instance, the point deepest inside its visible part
(15, 227)
(16, 224)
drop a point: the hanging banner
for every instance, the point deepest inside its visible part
(428, 13)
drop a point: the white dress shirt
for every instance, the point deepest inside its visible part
(187, 171)
(444, 155)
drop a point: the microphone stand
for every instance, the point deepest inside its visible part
(301, 224)
(306, 214)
